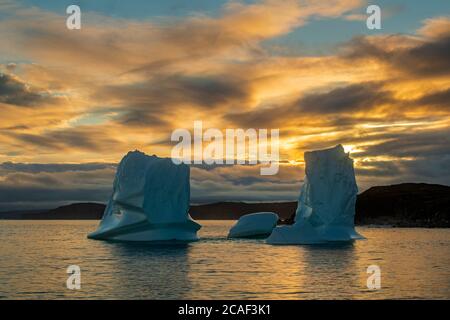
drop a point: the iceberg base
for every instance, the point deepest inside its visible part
(304, 233)
(296, 234)
(150, 232)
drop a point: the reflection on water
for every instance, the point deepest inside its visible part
(34, 256)
(160, 270)
(336, 260)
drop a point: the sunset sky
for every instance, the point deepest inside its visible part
(73, 102)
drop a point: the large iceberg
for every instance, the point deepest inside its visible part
(149, 202)
(326, 206)
(258, 224)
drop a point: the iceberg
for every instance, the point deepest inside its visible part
(326, 205)
(299, 233)
(149, 202)
(258, 224)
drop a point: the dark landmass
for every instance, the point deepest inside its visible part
(402, 205)
(405, 205)
(75, 211)
(213, 211)
(234, 210)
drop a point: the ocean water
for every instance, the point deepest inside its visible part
(34, 256)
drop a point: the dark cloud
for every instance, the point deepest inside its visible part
(85, 138)
(19, 178)
(33, 185)
(48, 185)
(421, 157)
(17, 127)
(210, 91)
(54, 167)
(377, 169)
(330, 104)
(406, 155)
(354, 97)
(150, 101)
(163, 91)
(261, 118)
(247, 181)
(13, 91)
(412, 144)
(440, 99)
(428, 58)
(218, 190)
(433, 169)
(140, 118)
(37, 140)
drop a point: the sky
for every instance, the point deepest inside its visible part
(74, 102)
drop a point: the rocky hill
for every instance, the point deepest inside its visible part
(408, 204)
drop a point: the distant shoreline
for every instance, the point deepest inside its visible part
(404, 205)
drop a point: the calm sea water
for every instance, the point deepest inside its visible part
(34, 255)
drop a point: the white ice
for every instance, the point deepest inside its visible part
(326, 206)
(149, 202)
(259, 224)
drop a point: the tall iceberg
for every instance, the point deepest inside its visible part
(326, 206)
(149, 202)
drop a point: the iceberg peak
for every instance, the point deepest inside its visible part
(326, 205)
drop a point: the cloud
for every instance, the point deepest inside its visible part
(422, 143)
(439, 99)
(15, 92)
(356, 17)
(350, 98)
(11, 66)
(261, 118)
(41, 185)
(141, 118)
(237, 182)
(436, 28)
(89, 138)
(427, 56)
(34, 185)
(53, 167)
(376, 169)
(157, 95)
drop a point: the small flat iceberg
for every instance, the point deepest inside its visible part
(326, 206)
(254, 225)
(149, 202)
